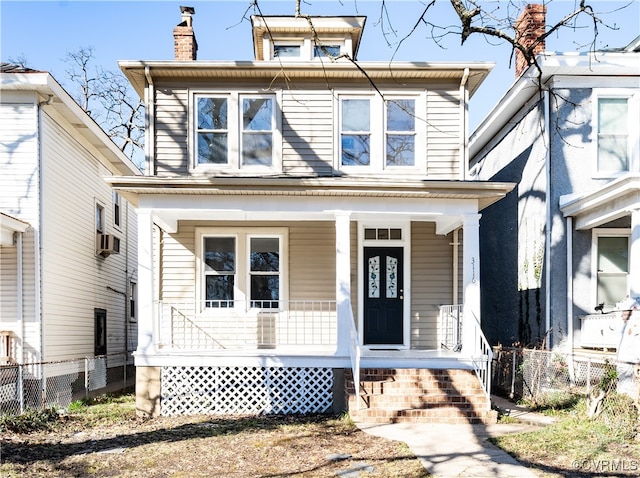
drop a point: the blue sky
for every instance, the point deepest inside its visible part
(43, 32)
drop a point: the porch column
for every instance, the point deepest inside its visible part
(146, 310)
(470, 281)
(634, 255)
(343, 282)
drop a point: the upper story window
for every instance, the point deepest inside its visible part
(381, 134)
(116, 209)
(100, 226)
(305, 49)
(236, 131)
(326, 50)
(616, 136)
(287, 50)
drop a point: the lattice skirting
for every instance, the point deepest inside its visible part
(245, 390)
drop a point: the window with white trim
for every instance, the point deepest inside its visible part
(381, 134)
(236, 130)
(243, 267)
(100, 225)
(615, 132)
(116, 209)
(611, 254)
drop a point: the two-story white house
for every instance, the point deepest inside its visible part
(305, 219)
(68, 243)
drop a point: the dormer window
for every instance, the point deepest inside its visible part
(287, 50)
(287, 38)
(326, 51)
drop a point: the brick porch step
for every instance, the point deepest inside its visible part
(418, 395)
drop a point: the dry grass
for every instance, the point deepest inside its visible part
(106, 439)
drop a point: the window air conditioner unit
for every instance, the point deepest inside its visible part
(107, 244)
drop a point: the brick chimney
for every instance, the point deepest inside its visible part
(185, 44)
(529, 26)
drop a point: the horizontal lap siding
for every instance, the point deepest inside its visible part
(19, 185)
(171, 131)
(444, 134)
(308, 129)
(307, 132)
(75, 280)
(431, 282)
(311, 260)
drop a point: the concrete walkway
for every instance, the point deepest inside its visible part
(462, 450)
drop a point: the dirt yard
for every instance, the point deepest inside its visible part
(81, 445)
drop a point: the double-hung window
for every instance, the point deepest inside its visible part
(243, 267)
(615, 132)
(401, 132)
(378, 134)
(236, 131)
(611, 251)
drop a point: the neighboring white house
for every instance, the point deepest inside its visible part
(304, 220)
(565, 244)
(68, 249)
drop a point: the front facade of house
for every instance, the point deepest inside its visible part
(573, 222)
(65, 291)
(305, 219)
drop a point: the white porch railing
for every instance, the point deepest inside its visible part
(482, 357)
(251, 325)
(450, 336)
(450, 330)
(355, 352)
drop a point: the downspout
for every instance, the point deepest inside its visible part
(464, 145)
(37, 247)
(547, 292)
(37, 252)
(126, 292)
(20, 302)
(569, 228)
(150, 122)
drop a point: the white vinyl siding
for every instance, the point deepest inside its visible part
(311, 252)
(444, 134)
(307, 132)
(20, 182)
(171, 132)
(308, 127)
(73, 288)
(431, 282)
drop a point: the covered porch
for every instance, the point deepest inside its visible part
(370, 273)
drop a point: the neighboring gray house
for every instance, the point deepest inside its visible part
(298, 226)
(68, 243)
(565, 243)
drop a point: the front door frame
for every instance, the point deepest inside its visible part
(405, 244)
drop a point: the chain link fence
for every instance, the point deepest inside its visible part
(37, 386)
(537, 375)
(547, 378)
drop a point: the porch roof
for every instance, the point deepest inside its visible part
(276, 198)
(607, 203)
(485, 192)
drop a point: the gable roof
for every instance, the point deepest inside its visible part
(19, 78)
(612, 63)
